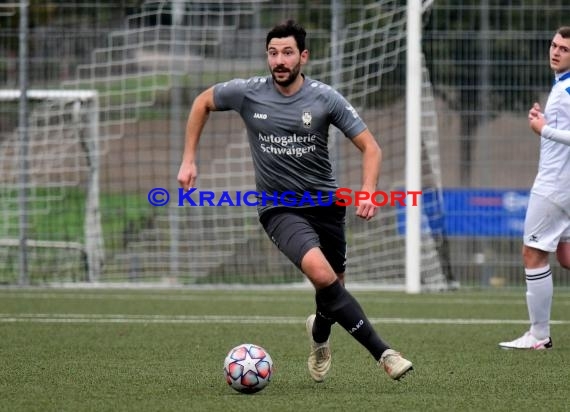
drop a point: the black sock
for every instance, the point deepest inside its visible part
(339, 305)
(321, 327)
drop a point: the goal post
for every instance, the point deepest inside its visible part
(413, 144)
(73, 109)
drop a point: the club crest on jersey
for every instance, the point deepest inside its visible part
(307, 118)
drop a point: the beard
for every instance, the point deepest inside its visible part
(293, 74)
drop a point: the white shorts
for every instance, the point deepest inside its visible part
(546, 224)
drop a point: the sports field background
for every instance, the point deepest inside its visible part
(163, 350)
(485, 63)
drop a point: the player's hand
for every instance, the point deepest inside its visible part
(187, 175)
(536, 120)
(534, 111)
(366, 209)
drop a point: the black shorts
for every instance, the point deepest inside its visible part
(297, 230)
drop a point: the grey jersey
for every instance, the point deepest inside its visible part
(288, 135)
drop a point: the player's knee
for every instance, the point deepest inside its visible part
(317, 269)
(565, 265)
(564, 260)
(563, 255)
(320, 280)
(534, 258)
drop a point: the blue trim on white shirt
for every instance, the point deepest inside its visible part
(563, 77)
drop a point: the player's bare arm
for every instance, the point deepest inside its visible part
(201, 108)
(371, 164)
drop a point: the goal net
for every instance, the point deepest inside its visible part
(147, 74)
(61, 191)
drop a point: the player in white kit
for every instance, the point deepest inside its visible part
(547, 223)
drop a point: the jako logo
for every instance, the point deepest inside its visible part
(260, 116)
(358, 325)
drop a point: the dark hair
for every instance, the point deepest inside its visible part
(286, 29)
(564, 31)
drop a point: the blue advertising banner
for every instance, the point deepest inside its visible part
(473, 212)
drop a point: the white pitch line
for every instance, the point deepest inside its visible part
(428, 299)
(215, 319)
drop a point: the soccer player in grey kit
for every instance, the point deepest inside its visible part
(287, 116)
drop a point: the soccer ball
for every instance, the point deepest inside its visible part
(248, 368)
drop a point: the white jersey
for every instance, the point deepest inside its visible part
(553, 178)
